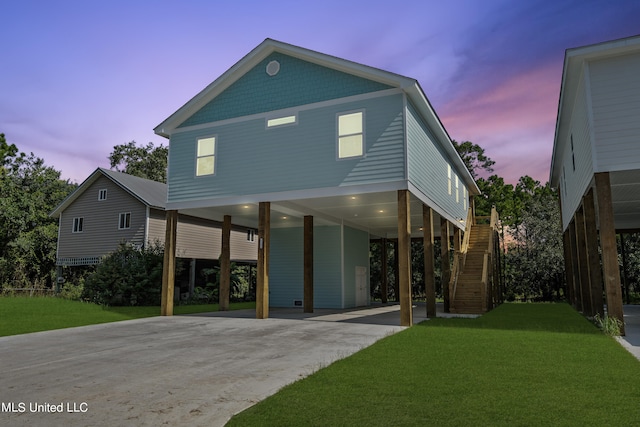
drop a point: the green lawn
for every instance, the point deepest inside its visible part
(21, 315)
(520, 365)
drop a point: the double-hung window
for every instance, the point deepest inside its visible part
(206, 156)
(77, 224)
(124, 221)
(351, 135)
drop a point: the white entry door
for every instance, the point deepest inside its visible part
(362, 293)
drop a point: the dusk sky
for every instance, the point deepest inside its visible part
(78, 77)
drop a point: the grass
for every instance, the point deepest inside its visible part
(21, 315)
(520, 365)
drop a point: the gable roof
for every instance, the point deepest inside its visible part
(574, 60)
(152, 194)
(410, 86)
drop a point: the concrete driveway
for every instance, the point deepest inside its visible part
(181, 370)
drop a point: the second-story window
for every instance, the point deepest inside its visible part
(350, 135)
(78, 222)
(102, 194)
(206, 156)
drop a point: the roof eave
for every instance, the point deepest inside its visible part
(260, 52)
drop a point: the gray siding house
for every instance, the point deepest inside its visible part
(321, 155)
(110, 207)
(596, 166)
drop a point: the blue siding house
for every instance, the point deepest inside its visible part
(319, 154)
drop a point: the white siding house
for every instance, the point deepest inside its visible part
(596, 165)
(288, 134)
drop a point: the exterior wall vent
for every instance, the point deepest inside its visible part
(273, 67)
(297, 303)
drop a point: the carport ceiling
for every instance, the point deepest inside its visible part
(625, 192)
(376, 213)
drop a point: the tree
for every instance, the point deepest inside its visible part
(148, 161)
(29, 191)
(473, 157)
(535, 262)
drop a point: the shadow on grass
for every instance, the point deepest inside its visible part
(546, 317)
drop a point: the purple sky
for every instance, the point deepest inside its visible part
(78, 77)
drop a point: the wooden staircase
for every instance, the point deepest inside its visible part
(469, 293)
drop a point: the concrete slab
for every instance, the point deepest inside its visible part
(181, 370)
(631, 341)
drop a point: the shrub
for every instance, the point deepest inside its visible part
(129, 276)
(609, 325)
(72, 291)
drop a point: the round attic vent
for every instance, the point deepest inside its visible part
(273, 67)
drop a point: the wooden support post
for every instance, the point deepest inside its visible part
(576, 266)
(446, 263)
(595, 271)
(225, 264)
(262, 281)
(404, 257)
(583, 264)
(625, 281)
(192, 276)
(396, 272)
(169, 264)
(568, 267)
(429, 268)
(384, 286)
(610, 268)
(308, 264)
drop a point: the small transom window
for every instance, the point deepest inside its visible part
(279, 121)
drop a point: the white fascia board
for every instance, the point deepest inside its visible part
(346, 190)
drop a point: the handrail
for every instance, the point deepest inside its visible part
(464, 248)
(493, 224)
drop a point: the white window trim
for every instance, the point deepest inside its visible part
(100, 193)
(449, 177)
(363, 133)
(120, 217)
(77, 225)
(214, 155)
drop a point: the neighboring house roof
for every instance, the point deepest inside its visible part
(410, 86)
(150, 193)
(574, 60)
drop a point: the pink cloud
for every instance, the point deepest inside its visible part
(513, 121)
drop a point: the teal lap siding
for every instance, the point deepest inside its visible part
(254, 159)
(286, 280)
(427, 168)
(297, 83)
